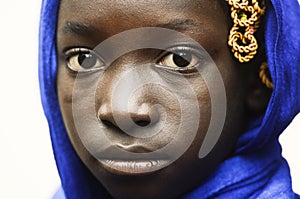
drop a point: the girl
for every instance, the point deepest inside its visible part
(169, 99)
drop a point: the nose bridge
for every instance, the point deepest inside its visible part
(119, 85)
(123, 96)
(127, 74)
(109, 79)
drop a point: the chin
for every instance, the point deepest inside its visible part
(158, 185)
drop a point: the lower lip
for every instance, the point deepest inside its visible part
(133, 167)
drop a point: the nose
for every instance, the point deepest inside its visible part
(140, 115)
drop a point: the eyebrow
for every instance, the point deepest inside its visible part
(183, 25)
(191, 25)
(77, 28)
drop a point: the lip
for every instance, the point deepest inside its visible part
(135, 148)
(134, 154)
(133, 167)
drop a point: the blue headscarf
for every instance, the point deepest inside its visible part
(256, 170)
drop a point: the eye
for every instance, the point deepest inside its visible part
(83, 60)
(181, 59)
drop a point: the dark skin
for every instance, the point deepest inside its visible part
(101, 19)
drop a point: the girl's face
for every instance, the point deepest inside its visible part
(82, 25)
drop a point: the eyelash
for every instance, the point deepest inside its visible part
(183, 54)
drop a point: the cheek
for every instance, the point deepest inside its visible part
(204, 116)
(65, 83)
(221, 107)
(65, 87)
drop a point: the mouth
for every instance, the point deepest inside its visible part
(133, 167)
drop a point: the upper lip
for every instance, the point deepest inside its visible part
(137, 153)
(135, 148)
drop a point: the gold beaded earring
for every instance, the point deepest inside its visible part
(246, 16)
(263, 76)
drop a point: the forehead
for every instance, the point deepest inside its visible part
(140, 3)
(107, 11)
(140, 7)
(100, 19)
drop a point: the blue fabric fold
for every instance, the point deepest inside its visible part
(256, 170)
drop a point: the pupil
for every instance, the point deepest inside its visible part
(87, 60)
(182, 59)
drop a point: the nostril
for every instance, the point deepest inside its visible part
(105, 115)
(142, 116)
(107, 123)
(141, 119)
(122, 119)
(143, 123)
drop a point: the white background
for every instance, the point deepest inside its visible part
(27, 167)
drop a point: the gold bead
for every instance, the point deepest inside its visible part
(243, 17)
